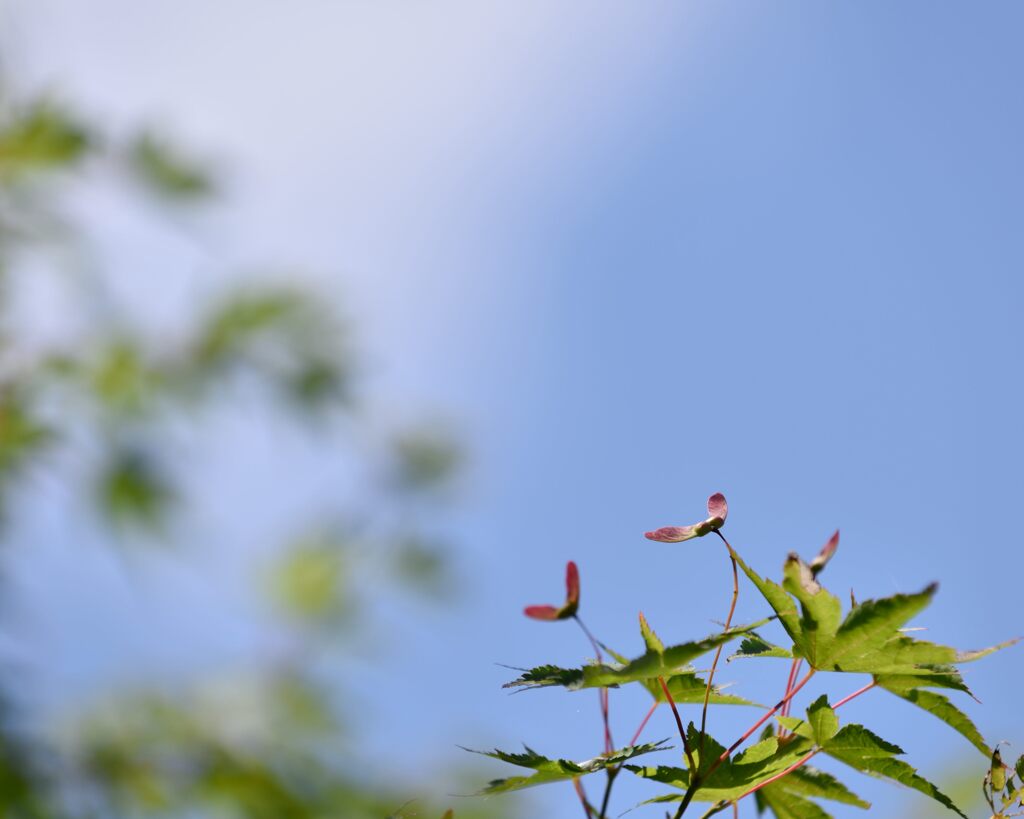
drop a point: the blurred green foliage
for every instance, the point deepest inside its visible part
(158, 165)
(309, 582)
(39, 136)
(269, 745)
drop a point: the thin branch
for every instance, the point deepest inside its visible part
(602, 694)
(612, 773)
(793, 669)
(856, 693)
(718, 651)
(587, 808)
(643, 723)
(679, 725)
(593, 640)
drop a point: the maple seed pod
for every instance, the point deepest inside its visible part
(718, 511)
(572, 599)
(997, 775)
(825, 555)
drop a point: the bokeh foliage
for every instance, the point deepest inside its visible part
(110, 396)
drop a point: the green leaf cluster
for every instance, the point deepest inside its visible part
(560, 770)
(657, 661)
(871, 638)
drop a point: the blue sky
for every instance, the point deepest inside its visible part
(640, 254)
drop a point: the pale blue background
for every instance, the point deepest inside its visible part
(641, 252)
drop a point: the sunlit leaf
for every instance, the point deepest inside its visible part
(690, 688)
(756, 646)
(912, 689)
(868, 640)
(651, 665)
(733, 777)
(859, 748)
(559, 770)
(822, 719)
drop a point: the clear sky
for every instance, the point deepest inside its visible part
(642, 252)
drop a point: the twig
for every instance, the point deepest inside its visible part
(793, 669)
(856, 693)
(679, 725)
(588, 810)
(612, 773)
(643, 723)
(602, 693)
(718, 651)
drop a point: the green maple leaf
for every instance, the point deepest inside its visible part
(685, 687)
(914, 690)
(785, 804)
(734, 776)
(754, 645)
(689, 688)
(868, 753)
(559, 770)
(657, 661)
(859, 748)
(867, 640)
(789, 797)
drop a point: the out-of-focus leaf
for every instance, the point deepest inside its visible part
(310, 581)
(241, 317)
(425, 458)
(121, 379)
(316, 381)
(161, 168)
(284, 336)
(38, 138)
(21, 434)
(422, 565)
(133, 490)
